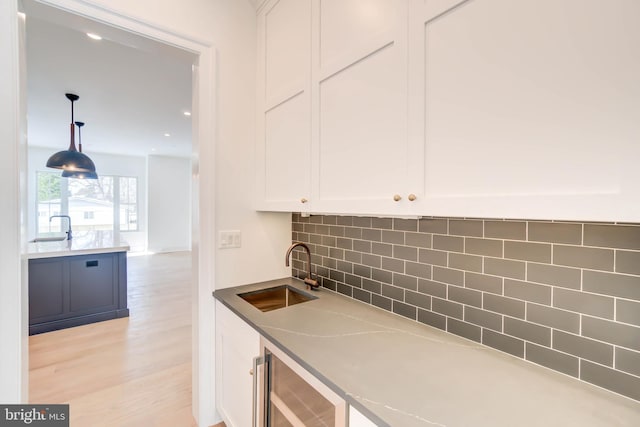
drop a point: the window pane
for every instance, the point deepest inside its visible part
(128, 203)
(91, 203)
(48, 201)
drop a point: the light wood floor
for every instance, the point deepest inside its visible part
(126, 372)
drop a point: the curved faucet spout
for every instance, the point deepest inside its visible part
(69, 235)
(313, 284)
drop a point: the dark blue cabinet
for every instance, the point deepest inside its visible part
(76, 290)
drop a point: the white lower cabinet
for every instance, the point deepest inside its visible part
(356, 419)
(236, 345)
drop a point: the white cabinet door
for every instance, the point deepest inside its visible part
(527, 109)
(283, 147)
(236, 346)
(361, 153)
(356, 419)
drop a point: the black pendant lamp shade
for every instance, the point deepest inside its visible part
(79, 174)
(71, 160)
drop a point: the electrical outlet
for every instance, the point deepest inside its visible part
(229, 239)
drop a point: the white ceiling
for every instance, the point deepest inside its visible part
(132, 90)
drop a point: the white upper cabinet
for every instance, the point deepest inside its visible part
(483, 108)
(359, 106)
(283, 149)
(527, 109)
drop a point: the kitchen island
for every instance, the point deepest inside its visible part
(75, 282)
(398, 372)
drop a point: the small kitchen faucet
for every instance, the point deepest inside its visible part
(69, 235)
(312, 283)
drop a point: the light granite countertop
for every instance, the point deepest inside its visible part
(401, 373)
(82, 243)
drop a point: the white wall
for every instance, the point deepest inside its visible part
(169, 203)
(230, 26)
(106, 164)
(13, 324)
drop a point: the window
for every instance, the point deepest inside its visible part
(128, 203)
(94, 195)
(106, 203)
(49, 200)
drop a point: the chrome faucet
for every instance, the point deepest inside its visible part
(69, 235)
(309, 281)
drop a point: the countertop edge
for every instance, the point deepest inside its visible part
(72, 252)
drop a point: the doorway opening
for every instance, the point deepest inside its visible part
(200, 161)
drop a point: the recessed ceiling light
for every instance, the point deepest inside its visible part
(153, 149)
(94, 36)
(187, 113)
(167, 134)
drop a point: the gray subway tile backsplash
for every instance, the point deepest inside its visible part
(448, 275)
(505, 268)
(583, 257)
(585, 348)
(564, 295)
(465, 227)
(419, 270)
(430, 287)
(503, 342)
(628, 312)
(612, 236)
(465, 262)
(513, 230)
(433, 257)
(527, 291)
(527, 251)
(448, 243)
(488, 247)
(419, 240)
(555, 232)
(464, 329)
(555, 360)
(611, 379)
(615, 333)
(564, 277)
(483, 318)
(432, 319)
(628, 262)
(482, 282)
(628, 361)
(553, 317)
(433, 225)
(527, 331)
(617, 285)
(583, 302)
(509, 306)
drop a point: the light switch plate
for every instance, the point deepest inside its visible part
(229, 239)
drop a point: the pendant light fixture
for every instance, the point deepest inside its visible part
(79, 174)
(71, 160)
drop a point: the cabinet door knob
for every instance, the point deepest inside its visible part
(397, 197)
(412, 197)
(303, 200)
(250, 371)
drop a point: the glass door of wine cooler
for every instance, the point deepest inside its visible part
(295, 398)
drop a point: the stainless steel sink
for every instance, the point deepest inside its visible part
(274, 298)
